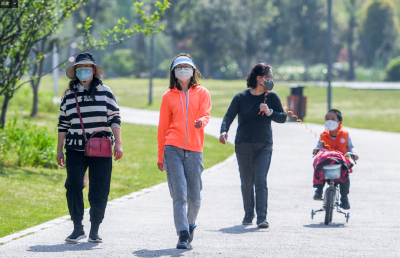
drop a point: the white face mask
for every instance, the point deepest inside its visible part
(184, 74)
(331, 125)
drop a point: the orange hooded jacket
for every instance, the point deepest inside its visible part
(178, 113)
(340, 142)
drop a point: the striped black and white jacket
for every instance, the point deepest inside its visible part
(102, 115)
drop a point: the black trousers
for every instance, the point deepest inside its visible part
(99, 184)
(254, 160)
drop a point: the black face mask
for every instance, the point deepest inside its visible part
(268, 84)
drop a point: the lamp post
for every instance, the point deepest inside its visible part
(329, 53)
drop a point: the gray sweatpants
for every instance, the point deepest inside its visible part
(184, 170)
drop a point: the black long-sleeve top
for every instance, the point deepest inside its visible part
(253, 127)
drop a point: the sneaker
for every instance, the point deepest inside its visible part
(191, 232)
(183, 242)
(248, 219)
(344, 203)
(76, 235)
(318, 194)
(95, 238)
(262, 224)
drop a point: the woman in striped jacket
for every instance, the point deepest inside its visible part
(100, 112)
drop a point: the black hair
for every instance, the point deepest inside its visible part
(337, 113)
(260, 69)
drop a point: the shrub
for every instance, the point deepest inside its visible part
(26, 145)
(125, 62)
(393, 70)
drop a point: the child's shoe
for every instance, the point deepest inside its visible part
(345, 203)
(318, 194)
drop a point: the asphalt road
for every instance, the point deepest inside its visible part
(142, 226)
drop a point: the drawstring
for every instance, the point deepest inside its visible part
(187, 102)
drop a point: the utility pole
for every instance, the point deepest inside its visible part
(329, 53)
(151, 64)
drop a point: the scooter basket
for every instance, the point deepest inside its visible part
(332, 171)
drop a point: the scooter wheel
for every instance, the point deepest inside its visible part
(312, 214)
(347, 217)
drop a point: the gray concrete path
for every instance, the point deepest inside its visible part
(143, 226)
(363, 85)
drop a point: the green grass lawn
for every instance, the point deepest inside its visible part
(368, 109)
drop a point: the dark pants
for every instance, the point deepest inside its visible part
(344, 187)
(99, 185)
(254, 160)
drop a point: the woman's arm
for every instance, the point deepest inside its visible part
(279, 115)
(204, 111)
(163, 125)
(118, 152)
(60, 153)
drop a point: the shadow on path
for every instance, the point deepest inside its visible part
(63, 247)
(322, 225)
(239, 229)
(172, 252)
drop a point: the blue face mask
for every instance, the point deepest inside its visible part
(84, 73)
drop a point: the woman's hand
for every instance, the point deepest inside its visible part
(60, 158)
(161, 166)
(118, 152)
(264, 108)
(223, 137)
(198, 124)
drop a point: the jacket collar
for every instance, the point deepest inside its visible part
(80, 87)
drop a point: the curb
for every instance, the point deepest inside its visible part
(114, 202)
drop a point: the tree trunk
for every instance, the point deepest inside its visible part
(4, 110)
(35, 99)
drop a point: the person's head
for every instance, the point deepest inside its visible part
(84, 70)
(259, 74)
(183, 69)
(333, 119)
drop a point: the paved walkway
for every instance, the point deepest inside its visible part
(142, 226)
(363, 85)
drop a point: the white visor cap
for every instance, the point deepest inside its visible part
(183, 60)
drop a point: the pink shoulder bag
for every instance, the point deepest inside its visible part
(95, 147)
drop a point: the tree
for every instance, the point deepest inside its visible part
(351, 7)
(379, 31)
(21, 29)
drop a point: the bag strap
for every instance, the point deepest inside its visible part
(80, 117)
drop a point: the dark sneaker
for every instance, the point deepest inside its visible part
(262, 224)
(345, 203)
(191, 232)
(183, 242)
(318, 194)
(248, 219)
(76, 235)
(95, 238)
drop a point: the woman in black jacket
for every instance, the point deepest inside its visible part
(99, 112)
(256, 108)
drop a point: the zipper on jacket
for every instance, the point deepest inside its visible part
(187, 114)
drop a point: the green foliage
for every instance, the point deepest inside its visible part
(393, 70)
(125, 62)
(379, 30)
(27, 145)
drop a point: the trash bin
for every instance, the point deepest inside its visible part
(296, 103)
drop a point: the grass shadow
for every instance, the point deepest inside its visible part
(171, 252)
(63, 247)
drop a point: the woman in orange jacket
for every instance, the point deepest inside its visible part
(184, 112)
